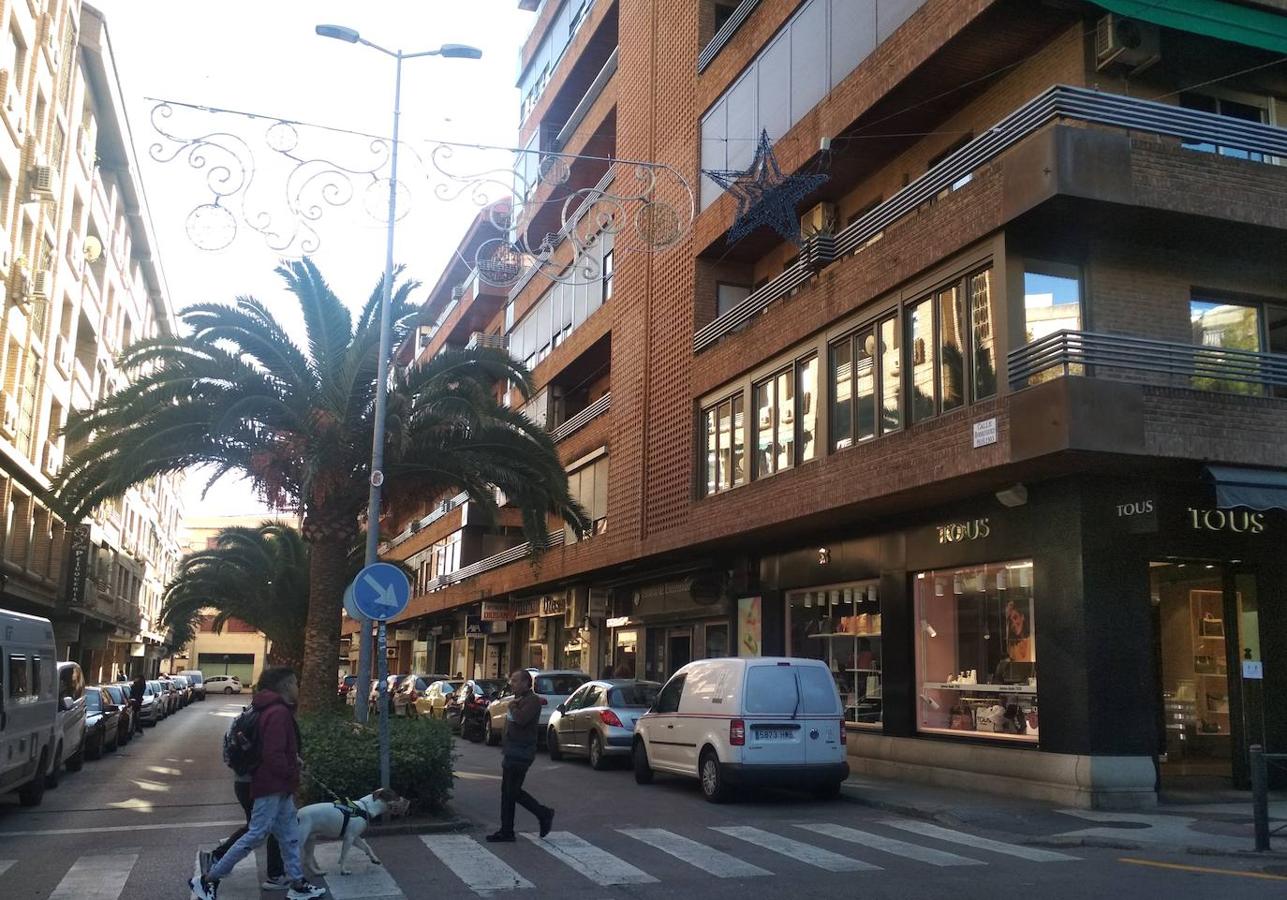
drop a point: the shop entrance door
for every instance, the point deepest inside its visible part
(1207, 623)
(680, 649)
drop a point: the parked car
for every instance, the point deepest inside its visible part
(551, 688)
(347, 684)
(598, 721)
(152, 709)
(183, 686)
(391, 688)
(198, 682)
(102, 722)
(223, 684)
(732, 722)
(473, 698)
(29, 702)
(71, 721)
(120, 693)
(406, 689)
(432, 701)
(164, 696)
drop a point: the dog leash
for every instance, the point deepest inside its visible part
(334, 796)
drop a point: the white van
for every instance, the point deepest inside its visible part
(28, 705)
(731, 722)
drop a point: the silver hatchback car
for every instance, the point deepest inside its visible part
(598, 720)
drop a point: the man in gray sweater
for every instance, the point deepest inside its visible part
(519, 750)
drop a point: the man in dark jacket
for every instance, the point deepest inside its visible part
(273, 783)
(518, 752)
(138, 690)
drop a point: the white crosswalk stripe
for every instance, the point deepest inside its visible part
(598, 865)
(797, 850)
(96, 877)
(708, 859)
(892, 845)
(1031, 854)
(482, 871)
(367, 881)
(5, 864)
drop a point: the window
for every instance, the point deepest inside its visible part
(772, 690)
(807, 401)
(633, 695)
(982, 316)
(668, 698)
(588, 486)
(775, 412)
(723, 11)
(865, 367)
(841, 626)
(920, 329)
(725, 445)
(1243, 111)
(728, 296)
(1242, 324)
(1051, 303)
(19, 678)
(976, 658)
(36, 665)
(607, 276)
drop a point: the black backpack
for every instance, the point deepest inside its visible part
(241, 744)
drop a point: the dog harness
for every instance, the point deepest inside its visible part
(348, 811)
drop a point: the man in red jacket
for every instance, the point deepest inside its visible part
(272, 788)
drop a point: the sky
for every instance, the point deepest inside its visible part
(264, 57)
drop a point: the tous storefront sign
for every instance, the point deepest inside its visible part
(1242, 521)
(957, 532)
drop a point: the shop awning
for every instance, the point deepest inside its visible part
(1213, 18)
(1254, 488)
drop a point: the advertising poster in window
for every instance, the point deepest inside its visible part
(749, 622)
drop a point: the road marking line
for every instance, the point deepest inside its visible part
(107, 829)
(793, 849)
(891, 845)
(5, 864)
(368, 881)
(1201, 869)
(973, 840)
(598, 865)
(482, 871)
(708, 859)
(96, 877)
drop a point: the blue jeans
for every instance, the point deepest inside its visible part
(275, 815)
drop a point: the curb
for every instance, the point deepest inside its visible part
(854, 795)
(1112, 844)
(451, 823)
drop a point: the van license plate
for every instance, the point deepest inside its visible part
(773, 734)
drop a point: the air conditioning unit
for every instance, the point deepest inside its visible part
(536, 629)
(40, 284)
(569, 614)
(822, 219)
(1126, 42)
(53, 458)
(9, 409)
(42, 181)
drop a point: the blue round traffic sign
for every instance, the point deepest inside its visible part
(381, 591)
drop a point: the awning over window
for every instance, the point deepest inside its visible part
(1254, 488)
(1213, 18)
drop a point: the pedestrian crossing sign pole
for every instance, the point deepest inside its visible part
(380, 592)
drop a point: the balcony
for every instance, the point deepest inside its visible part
(592, 93)
(1079, 106)
(1153, 362)
(584, 417)
(495, 561)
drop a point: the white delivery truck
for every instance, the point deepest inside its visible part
(28, 705)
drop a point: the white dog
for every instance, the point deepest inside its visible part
(335, 822)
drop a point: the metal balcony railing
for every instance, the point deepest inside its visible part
(725, 33)
(491, 341)
(1193, 365)
(495, 561)
(419, 525)
(1055, 103)
(581, 419)
(592, 94)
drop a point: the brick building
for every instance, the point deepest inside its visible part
(81, 280)
(1015, 406)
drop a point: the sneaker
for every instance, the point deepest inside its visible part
(302, 890)
(501, 837)
(203, 888)
(205, 859)
(276, 883)
(547, 821)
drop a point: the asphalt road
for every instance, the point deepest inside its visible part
(128, 826)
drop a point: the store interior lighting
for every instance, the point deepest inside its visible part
(928, 628)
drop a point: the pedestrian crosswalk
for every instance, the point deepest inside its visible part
(463, 865)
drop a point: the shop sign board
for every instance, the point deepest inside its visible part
(618, 622)
(958, 532)
(1137, 514)
(496, 611)
(1253, 669)
(78, 565)
(554, 606)
(474, 625)
(527, 609)
(985, 432)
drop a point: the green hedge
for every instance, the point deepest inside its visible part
(345, 756)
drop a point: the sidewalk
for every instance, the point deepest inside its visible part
(1218, 823)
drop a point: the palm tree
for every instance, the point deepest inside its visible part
(257, 575)
(239, 394)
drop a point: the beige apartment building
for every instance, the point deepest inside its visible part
(81, 280)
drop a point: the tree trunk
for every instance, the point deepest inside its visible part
(328, 571)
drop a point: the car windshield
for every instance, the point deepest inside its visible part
(193, 677)
(559, 684)
(489, 686)
(118, 696)
(93, 701)
(634, 695)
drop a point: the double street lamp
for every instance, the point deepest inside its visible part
(450, 51)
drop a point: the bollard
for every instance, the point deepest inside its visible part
(1260, 796)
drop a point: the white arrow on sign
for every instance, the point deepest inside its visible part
(384, 593)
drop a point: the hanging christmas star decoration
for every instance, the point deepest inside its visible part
(764, 195)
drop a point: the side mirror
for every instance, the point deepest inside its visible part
(562, 707)
(65, 704)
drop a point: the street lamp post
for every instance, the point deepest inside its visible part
(451, 51)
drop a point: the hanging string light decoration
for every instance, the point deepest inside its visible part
(765, 196)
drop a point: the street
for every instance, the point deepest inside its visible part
(129, 826)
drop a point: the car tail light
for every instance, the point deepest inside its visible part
(610, 718)
(737, 733)
(844, 733)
